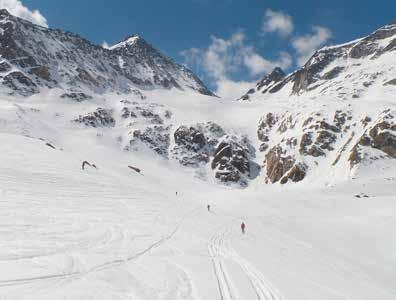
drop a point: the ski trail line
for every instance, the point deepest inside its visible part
(219, 249)
(103, 266)
(223, 280)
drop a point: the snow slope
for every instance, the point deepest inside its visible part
(111, 233)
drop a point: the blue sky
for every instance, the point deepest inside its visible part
(247, 36)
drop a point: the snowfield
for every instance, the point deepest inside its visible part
(112, 233)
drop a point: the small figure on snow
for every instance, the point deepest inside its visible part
(208, 208)
(243, 228)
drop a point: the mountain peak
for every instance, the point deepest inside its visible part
(132, 63)
(128, 41)
(277, 72)
(268, 82)
(275, 76)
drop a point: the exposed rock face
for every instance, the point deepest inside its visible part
(294, 143)
(77, 97)
(232, 160)
(296, 173)
(231, 156)
(18, 83)
(194, 145)
(265, 125)
(5, 67)
(146, 126)
(156, 138)
(278, 163)
(369, 45)
(54, 58)
(99, 118)
(381, 136)
(144, 113)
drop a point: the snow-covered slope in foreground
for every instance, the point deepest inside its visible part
(112, 233)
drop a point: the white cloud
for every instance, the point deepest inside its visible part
(231, 90)
(306, 45)
(257, 65)
(16, 8)
(277, 21)
(225, 57)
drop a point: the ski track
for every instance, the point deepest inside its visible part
(219, 249)
(100, 267)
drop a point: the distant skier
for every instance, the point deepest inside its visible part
(208, 208)
(243, 228)
(177, 193)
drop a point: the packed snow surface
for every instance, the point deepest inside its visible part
(112, 233)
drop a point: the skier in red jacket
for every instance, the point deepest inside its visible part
(243, 227)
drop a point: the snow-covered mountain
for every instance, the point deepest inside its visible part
(333, 115)
(122, 177)
(340, 112)
(342, 71)
(34, 58)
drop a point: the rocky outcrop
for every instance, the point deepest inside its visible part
(381, 136)
(265, 125)
(295, 174)
(19, 83)
(77, 97)
(294, 143)
(194, 145)
(156, 138)
(99, 118)
(277, 164)
(232, 161)
(230, 156)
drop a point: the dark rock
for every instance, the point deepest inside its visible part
(381, 136)
(78, 97)
(277, 163)
(333, 73)
(390, 82)
(195, 144)
(275, 76)
(42, 72)
(99, 118)
(20, 84)
(231, 161)
(155, 137)
(306, 141)
(265, 125)
(297, 173)
(266, 83)
(5, 66)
